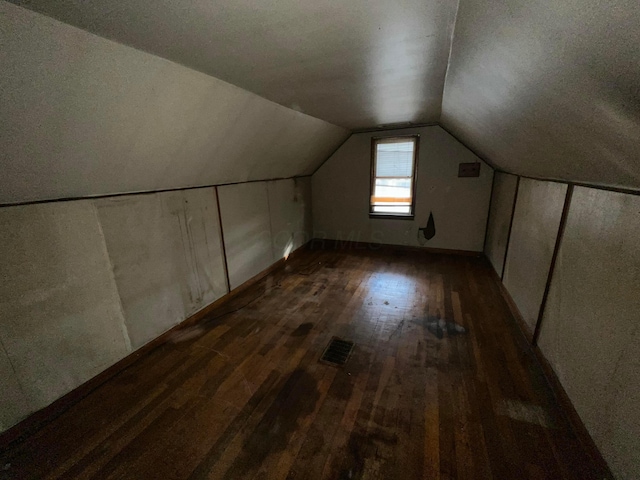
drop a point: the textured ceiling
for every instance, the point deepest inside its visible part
(355, 63)
(549, 88)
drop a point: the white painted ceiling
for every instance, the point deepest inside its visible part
(354, 63)
(83, 116)
(545, 88)
(549, 88)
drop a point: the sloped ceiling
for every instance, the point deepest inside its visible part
(83, 116)
(549, 88)
(543, 88)
(354, 63)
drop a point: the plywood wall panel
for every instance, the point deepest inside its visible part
(502, 197)
(166, 254)
(246, 222)
(533, 237)
(61, 319)
(591, 324)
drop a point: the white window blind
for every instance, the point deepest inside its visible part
(394, 159)
(393, 169)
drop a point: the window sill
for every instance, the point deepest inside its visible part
(392, 216)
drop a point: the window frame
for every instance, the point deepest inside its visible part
(414, 179)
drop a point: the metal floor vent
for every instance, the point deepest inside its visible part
(337, 352)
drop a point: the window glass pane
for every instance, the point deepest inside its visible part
(393, 170)
(394, 159)
(390, 188)
(397, 209)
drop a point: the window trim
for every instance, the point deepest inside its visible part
(416, 157)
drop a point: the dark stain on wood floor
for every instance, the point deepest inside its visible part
(303, 329)
(441, 385)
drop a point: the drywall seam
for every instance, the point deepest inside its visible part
(486, 227)
(224, 250)
(446, 72)
(112, 276)
(556, 249)
(144, 192)
(513, 212)
(324, 161)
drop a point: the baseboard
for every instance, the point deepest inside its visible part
(513, 308)
(330, 244)
(579, 428)
(560, 394)
(40, 418)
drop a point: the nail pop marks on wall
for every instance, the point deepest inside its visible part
(469, 169)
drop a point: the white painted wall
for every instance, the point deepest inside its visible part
(533, 238)
(590, 325)
(83, 283)
(590, 331)
(289, 201)
(61, 320)
(262, 223)
(247, 230)
(504, 190)
(341, 189)
(166, 257)
(82, 115)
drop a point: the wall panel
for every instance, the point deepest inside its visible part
(61, 319)
(166, 254)
(591, 322)
(533, 238)
(502, 197)
(246, 222)
(287, 214)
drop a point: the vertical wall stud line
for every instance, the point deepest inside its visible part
(224, 248)
(486, 227)
(556, 248)
(513, 214)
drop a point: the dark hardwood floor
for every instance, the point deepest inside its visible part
(441, 384)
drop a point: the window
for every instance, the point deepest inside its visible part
(393, 176)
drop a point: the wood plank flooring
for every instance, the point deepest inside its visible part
(441, 385)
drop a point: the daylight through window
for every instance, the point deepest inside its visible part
(393, 176)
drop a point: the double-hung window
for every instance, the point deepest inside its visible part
(393, 176)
